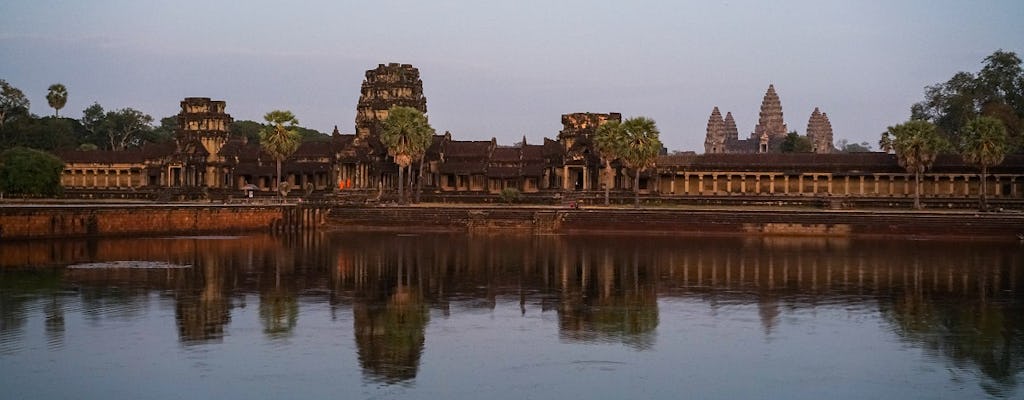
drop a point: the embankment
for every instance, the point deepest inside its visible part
(998, 226)
(80, 220)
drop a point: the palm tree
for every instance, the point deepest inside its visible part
(57, 97)
(916, 144)
(277, 140)
(639, 148)
(607, 141)
(983, 143)
(407, 135)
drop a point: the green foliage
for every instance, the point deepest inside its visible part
(995, 91)
(57, 97)
(637, 147)
(983, 144)
(509, 195)
(406, 133)
(794, 143)
(126, 128)
(279, 141)
(843, 146)
(13, 103)
(116, 130)
(30, 172)
(247, 129)
(916, 143)
(163, 133)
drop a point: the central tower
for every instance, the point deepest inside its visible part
(384, 87)
(770, 122)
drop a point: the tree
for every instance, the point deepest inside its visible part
(164, 132)
(639, 148)
(995, 91)
(247, 129)
(92, 124)
(125, 128)
(983, 145)
(13, 103)
(407, 135)
(916, 144)
(57, 96)
(608, 141)
(794, 143)
(279, 141)
(844, 146)
(30, 172)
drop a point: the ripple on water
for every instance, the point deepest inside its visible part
(129, 264)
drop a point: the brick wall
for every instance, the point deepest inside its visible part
(21, 222)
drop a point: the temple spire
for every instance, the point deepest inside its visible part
(714, 141)
(770, 121)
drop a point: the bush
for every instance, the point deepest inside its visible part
(30, 172)
(509, 195)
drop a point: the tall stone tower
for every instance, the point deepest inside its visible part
(770, 121)
(819, 131)
(714, 141)
(386, 86)
(203, 121)
(203, 129)
(731, 133)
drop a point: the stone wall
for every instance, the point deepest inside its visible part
(58, 221)
(824, 223)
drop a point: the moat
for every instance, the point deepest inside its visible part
(447, 315)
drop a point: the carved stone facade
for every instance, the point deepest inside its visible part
(384, 87)
(714, 141)
(770, 121)
(769, 133)
(819, 131)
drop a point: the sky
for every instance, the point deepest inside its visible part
(509, 69)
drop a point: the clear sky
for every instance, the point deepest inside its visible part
(506, 69)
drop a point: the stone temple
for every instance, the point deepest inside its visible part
(206, 160)
(769, 133)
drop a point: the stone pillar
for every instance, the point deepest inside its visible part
(686, 183)
(565, 177)
(700, 184)
(800, 184)
(771, 184)
(714, 183)
(786, 184)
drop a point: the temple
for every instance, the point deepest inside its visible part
(206, 161)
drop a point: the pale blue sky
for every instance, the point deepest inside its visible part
(507, 69)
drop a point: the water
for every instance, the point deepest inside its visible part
(510, 317)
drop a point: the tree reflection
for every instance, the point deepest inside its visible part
(390, 318)
(982, 329)
(608, 299)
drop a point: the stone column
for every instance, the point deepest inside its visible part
(786, 184)
(771, 184)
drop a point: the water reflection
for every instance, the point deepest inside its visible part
(961, 303)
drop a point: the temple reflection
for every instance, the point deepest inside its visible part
(954, 301)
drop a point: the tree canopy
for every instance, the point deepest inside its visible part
(916, 143)
(996, 91)
(30, 172)
(13, 103)
(983, 144)
(279, 139)
(57, 97)
(407, 135)
(794, 143)
(638, 147)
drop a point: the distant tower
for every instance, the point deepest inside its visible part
(386, 86)
(714, 141)
(770, 121)
(731, 133)
(819, 132)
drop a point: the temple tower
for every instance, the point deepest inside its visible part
(203, 129)
(386, 86)
(714, 141)
(819, 132)
(770, 121)
(731, 133)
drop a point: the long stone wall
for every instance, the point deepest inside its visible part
(59, 221)
(960, 225)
